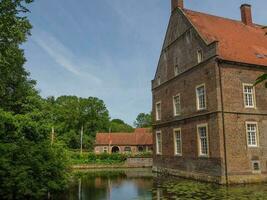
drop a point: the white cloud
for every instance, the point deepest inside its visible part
(62, 55)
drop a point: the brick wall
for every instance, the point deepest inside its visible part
(225, 113)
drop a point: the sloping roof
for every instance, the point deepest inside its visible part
(237, 41)
(141, 136)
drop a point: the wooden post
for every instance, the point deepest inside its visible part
(109, 140)
(52, 135)
(82, 139)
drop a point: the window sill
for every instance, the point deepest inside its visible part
(253, 146)
(256, 172)
(203, 156)
(178, 155)
(202, 109)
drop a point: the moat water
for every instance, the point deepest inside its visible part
(142, 184)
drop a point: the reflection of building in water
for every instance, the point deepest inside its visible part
(138, 141)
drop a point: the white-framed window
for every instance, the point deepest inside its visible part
(252, 134)
(158, 142)
(177, 137)
(158, 111)
(249, 95)
(201, 97)
(203, 141)
(177, 105)
(199, 56)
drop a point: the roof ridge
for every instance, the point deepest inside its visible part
(213, 15)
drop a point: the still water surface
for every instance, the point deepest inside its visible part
(141, 184)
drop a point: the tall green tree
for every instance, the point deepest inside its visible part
(17, 93)
(30, 167)
(143, 120)
(72, 114)
(118, 125)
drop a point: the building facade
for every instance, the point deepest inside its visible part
(209, 120)
(138, 141)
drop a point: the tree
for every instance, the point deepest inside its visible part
(17, 93)
(261, 79)
(29, 166)
(118, 125)
(143, 120)
(71, 114)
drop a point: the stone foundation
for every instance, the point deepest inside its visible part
(232, 179)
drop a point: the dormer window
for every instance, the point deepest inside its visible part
(199, 56)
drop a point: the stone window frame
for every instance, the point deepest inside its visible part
(158, 148)
(200, 154)
(158, 113)
(175, 114)
(252, 166)
(197, 97)
(253, 95)
(200, 56)
(175, 144)
(256, 135)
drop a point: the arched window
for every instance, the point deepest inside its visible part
(115, 149)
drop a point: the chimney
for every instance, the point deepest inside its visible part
(177, 4)
(246, 15)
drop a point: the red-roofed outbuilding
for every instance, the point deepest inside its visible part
(138, 141)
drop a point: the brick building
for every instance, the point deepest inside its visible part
(138, 141)
(210, 122)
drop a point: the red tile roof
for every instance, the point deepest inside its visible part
(237, 41)
(141, 136)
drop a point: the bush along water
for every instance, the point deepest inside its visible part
(103, 158)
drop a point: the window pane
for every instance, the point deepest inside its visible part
(177, 105)
(178, 142)
(199, 56)
(158, 142)
(158, 111)
(249, 96)
(252, 134)
(201, 97)
(203, 140)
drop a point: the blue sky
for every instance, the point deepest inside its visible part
(108, 48)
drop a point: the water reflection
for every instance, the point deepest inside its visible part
(141, 184)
